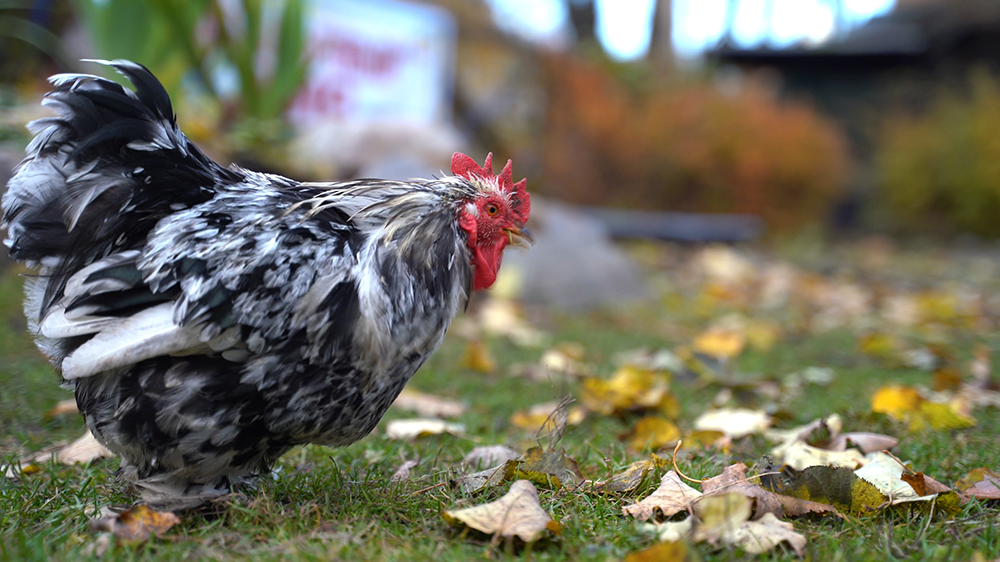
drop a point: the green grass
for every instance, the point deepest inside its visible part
(325, 504)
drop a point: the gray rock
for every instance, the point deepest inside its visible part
(574, 265)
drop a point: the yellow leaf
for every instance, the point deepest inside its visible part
(722, 344)
(896, 401)
(539, 417)
(941, 417)
(478, 358)
(652, 432)
(517, 514)
(762, 335)
(879, 345)
(630, 389)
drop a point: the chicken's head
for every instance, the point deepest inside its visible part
(494, 217)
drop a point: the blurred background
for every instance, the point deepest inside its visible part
(653, 120)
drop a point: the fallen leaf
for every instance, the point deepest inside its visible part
(631, 477)
(764, 534)
(62, 408)
(724, 519)
(670, 498)
(836, 486)
(734, 479)
(799, 456)
(501, 317)
(884, 346)
(403, 472)
(410, 429)
(705, 439)
(136, 524)
(734, 422)
(82, 451)
(887, 475)
(478, 481)
(896, 401)
(489, 455)
(427, 405)
(478, 358)
(539, 417)
(662, 552)
(550, 468)
(652, 432)
(980, 483)
(864, 441)
(630, 389)
(517, 514)
(907, 404)
(720, 343)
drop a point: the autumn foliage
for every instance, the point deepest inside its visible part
(943, 167)
(689, 148)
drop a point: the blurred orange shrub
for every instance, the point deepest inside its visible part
(688, 148)
(942, 168)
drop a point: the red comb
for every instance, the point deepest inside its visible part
(466, 167)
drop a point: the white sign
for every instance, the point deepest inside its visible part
(376, 60)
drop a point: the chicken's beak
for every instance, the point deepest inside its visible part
(519, 237)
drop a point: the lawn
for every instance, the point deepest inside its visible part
(868, 312)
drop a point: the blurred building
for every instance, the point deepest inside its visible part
(899, 61)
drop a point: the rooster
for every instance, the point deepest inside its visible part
(209, 318)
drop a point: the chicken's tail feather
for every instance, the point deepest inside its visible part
(99, 175)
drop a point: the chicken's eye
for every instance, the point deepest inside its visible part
(492, 209)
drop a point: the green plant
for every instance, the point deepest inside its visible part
(943, 167)
(173, 37)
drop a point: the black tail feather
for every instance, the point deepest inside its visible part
(99, 176)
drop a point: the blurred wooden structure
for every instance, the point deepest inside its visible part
(899, 61)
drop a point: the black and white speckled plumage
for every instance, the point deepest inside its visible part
(211, 318)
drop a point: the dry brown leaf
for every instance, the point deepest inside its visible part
(427, 405)
(734, 422)
(136, 524)
(762, 535)
(517, 514)
(403, 472)
(82, 451)
(631, 477)
(477, 481)
(980, 483)
(549, 468)
(672, 497)
(62, 408)
(724, 519)
(410, 429)
(734, 479)
(864, 441)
